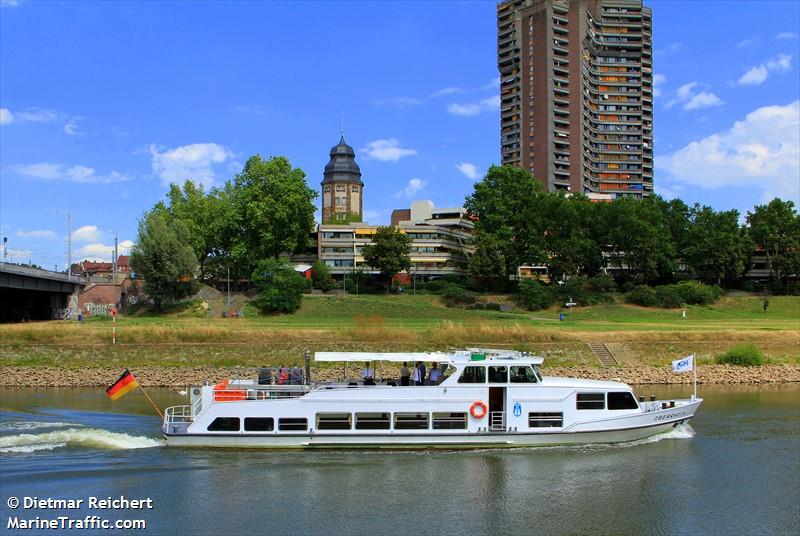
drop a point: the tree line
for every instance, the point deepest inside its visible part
(644, 241)
(241, 231)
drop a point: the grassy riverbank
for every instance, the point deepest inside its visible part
(637, 335)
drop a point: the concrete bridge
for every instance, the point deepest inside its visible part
(35, 294)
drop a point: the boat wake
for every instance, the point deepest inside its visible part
(76, 436)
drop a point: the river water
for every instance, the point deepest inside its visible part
(734, 470)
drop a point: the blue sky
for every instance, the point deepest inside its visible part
(104, 103)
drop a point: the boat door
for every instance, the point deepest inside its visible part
(497, 408)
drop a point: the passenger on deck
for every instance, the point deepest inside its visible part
(405, 374)
(419, 373)
(436, 374)
(283, 376)
(368, 373)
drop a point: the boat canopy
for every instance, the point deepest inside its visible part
(458, 356)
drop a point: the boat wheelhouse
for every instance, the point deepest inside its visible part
(485, 398)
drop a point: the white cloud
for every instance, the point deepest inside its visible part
(9, 3)
(747, 43)
(692, 99)
(703, 99)
(761, 151)
(468, 170)
(756, 76)
(96, 252)
(446, 91)
(125, 246)
(195, 161)
(786, 35)
(37, 233)
(658, 80)
(474, 108)
(19, 255)
(6, 117)
(388, 150)
(78, 173)
(71, 128)
(397, 102)
(38, 115)
(412, 188)
(87, 233)
(669, 49)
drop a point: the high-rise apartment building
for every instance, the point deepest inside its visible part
(576, 82)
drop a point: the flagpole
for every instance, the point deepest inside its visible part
(694, 377)
(150, 400)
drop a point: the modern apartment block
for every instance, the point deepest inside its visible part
(439, 240)
(576, 82)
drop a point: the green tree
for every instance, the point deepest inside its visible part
(321, 276)
(775, 227)
(274, 210)
(389, 252)
(717, 249)
(163, 257)
(280, 287)
(488, 261)
(504, 205)
(571, 249)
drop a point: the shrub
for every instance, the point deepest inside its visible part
(642, 295)
(668, 296)
(603, 283)
(455, 296)
(321, 276)
(438, 286)
(535, 295)
(695, 293)
(743, 355)
(628, 286)
(280, 287)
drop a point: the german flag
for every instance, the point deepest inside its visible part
(122, 386)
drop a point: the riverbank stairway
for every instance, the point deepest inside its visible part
(603, 354)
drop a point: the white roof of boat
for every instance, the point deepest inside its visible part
(457, 356)
(557, 381)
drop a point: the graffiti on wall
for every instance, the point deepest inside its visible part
(98, 309)
(62, 313)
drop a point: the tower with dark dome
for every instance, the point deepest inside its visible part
(342, 189)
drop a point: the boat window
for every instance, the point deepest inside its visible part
(473, 375)
(536, 369)
(523, 375)
(224, 424)
(259, 424)
(292, 424)
(622, 401)
(372, 421)
(449, 421)
(411, 421)
(333, 421)
(591, 401)
(448, 371)
(498, 374)
(546, 420)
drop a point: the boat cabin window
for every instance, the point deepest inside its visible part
(333, 421)
(622, 401)
(498, 374)
(411, 421)
(523, 375)
(473, 375)
(372, 421)
(291, 424)
(450, 421)
(259, 424)
(546, 420)
(224, 424)
(448, 371)
(591, 401)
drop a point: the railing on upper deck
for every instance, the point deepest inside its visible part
(239, 391)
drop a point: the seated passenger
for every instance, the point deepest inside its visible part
(283, 376)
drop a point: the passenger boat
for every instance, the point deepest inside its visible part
(485, 399)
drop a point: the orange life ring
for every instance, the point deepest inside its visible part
(478, 409)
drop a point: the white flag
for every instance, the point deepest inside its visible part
(683, 365)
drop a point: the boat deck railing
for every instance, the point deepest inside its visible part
(241, 391)
(658, 405)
